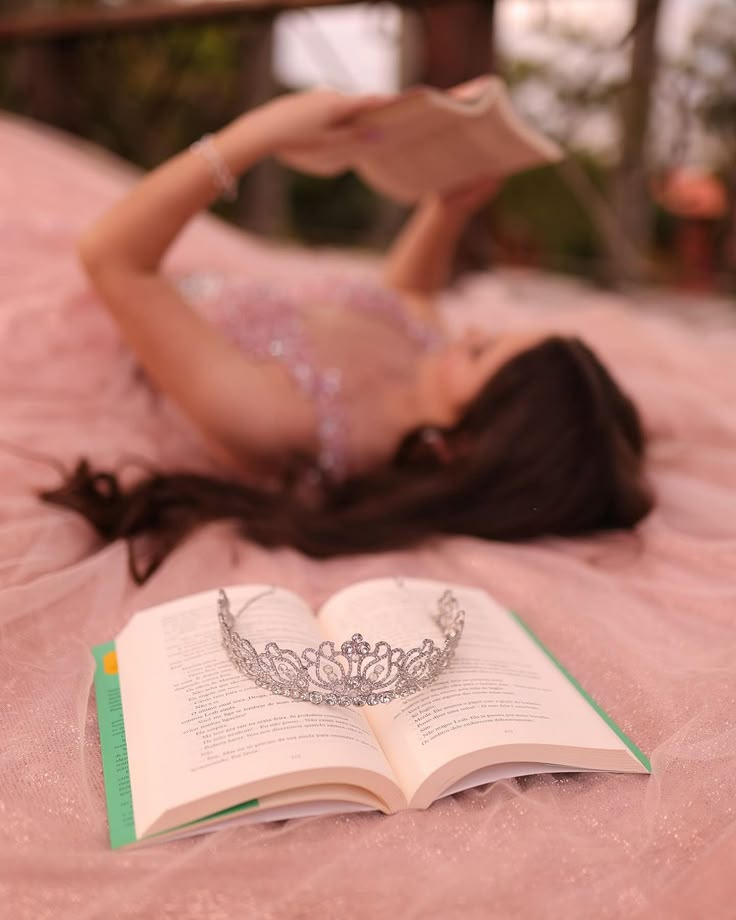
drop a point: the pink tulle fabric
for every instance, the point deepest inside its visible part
(646, 622)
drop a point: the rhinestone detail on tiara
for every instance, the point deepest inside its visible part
(351, 674)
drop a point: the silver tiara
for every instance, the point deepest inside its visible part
(354, 674)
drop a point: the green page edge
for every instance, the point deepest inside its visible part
(637, 752)
(113, 748)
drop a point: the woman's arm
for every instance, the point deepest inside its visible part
(250, 408)
(420, 259)
(136, 232)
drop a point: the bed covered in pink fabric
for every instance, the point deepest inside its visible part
(647, 622)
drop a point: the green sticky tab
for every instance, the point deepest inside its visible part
(113, 746)
(640, 756)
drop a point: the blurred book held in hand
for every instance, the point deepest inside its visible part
(427, 140)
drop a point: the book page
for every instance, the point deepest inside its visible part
(435, 140)
(199, 731)
(424, 147)
(500, 692)
(431, 140)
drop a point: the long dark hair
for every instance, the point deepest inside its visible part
(550, 446)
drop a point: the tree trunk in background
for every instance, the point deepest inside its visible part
(632, 201)
(262, 201)
(457, 39)
(390, 215)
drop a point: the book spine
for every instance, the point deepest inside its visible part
(113, 747)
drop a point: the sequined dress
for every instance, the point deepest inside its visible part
(345, 343)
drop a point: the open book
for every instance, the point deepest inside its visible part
(190, 744)
(428, 141)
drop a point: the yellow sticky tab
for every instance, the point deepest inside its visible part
(110, 663)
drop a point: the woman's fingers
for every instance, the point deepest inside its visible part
(471, 88)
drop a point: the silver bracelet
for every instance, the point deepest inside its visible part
(351, 674)
(225, 182)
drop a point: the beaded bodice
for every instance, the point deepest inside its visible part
(311, 330)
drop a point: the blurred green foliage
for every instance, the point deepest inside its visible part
(335, 211)
(142, 96)
(537, 219)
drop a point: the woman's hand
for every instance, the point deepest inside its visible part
(316, 119)
(421, 257)
(464, 200)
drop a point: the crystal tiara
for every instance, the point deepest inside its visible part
(353, 674)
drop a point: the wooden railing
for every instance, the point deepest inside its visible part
(75, 22)
(138, 15)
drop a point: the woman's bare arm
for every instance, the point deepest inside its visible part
(249, 407)
(420, 259)
(188, 358)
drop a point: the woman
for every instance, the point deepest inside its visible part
(352, 421)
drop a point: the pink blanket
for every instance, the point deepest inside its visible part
(646, 622)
